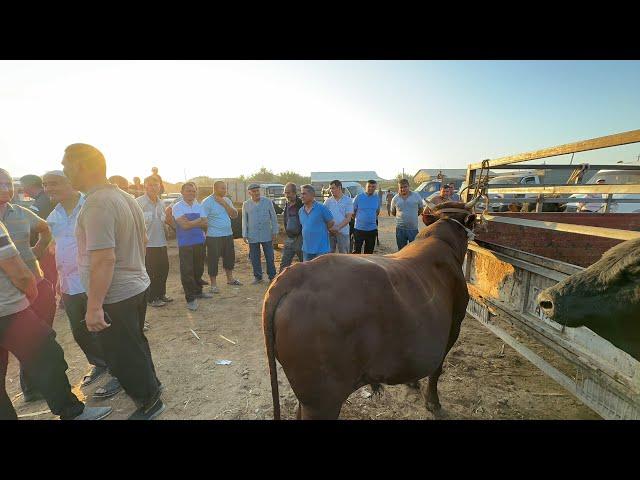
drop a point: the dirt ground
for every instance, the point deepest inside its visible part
(482, 378)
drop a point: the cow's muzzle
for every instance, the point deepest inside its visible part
(545, 301)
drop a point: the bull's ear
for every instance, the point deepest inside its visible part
(470, 221)
(429, 218)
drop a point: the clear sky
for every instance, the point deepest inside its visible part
(226, 118)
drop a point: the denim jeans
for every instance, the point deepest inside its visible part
(310, 256)
(340, 240)
(404, 237)
(292, 247)
(256, 260)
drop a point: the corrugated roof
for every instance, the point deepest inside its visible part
(326, 177)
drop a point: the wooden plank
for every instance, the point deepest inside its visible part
(528, 166)
(539, 362)
(562, 188)
(615, 140)
(567, 227)
(531, 258)
(564, 200)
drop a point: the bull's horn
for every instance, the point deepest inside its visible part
(472, 203)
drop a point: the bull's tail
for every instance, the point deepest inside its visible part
(268, 314)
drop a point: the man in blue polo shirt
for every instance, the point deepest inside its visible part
(190, 220)
(316, 220)
(366, 208)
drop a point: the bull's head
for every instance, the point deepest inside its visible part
(460, 212)
(608, 289)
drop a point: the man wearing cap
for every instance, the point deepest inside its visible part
(62, 221)
(111, 234)
(21, 223)
(24, 335)
(259, 228)
(156, 257)
(190, 219)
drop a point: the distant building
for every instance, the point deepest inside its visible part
(427, 174)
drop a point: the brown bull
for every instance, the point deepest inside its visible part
(343, 321)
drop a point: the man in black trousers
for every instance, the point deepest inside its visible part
(111, 249)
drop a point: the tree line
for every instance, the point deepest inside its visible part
(264, 175)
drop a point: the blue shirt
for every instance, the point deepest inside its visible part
(193, 236)
(315, 234)
(218, 220)
(366, 207)
(259, 221)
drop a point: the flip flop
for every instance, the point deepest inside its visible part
(110, 389)
(235, 282)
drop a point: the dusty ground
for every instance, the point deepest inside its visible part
(482, 378)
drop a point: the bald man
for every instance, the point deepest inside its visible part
(62, 221)
(111, 238)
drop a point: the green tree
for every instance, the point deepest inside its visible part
(263, 175)
(291, 176)
(203, 181)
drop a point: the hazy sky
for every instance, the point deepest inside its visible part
(226, 118)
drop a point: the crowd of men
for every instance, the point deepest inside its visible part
(101, 244)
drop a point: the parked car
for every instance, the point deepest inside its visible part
(611, 177)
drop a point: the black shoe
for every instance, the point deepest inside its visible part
(32, 396)
(92, 375)
(166, 299)
(111, 388)
(150, 413)
(202, 282)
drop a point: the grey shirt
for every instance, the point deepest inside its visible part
(407, 210)
(12, 300)
(111, 218)
(154, 217)
(20, 222)
(259, 221)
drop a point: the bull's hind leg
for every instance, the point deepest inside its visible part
(431, 397)
(325, 412)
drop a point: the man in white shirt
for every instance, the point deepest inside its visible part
(341, 207)
(62, 221)
(156, 257)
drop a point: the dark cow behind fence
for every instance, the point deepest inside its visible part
(339, 322)
(604, 297)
